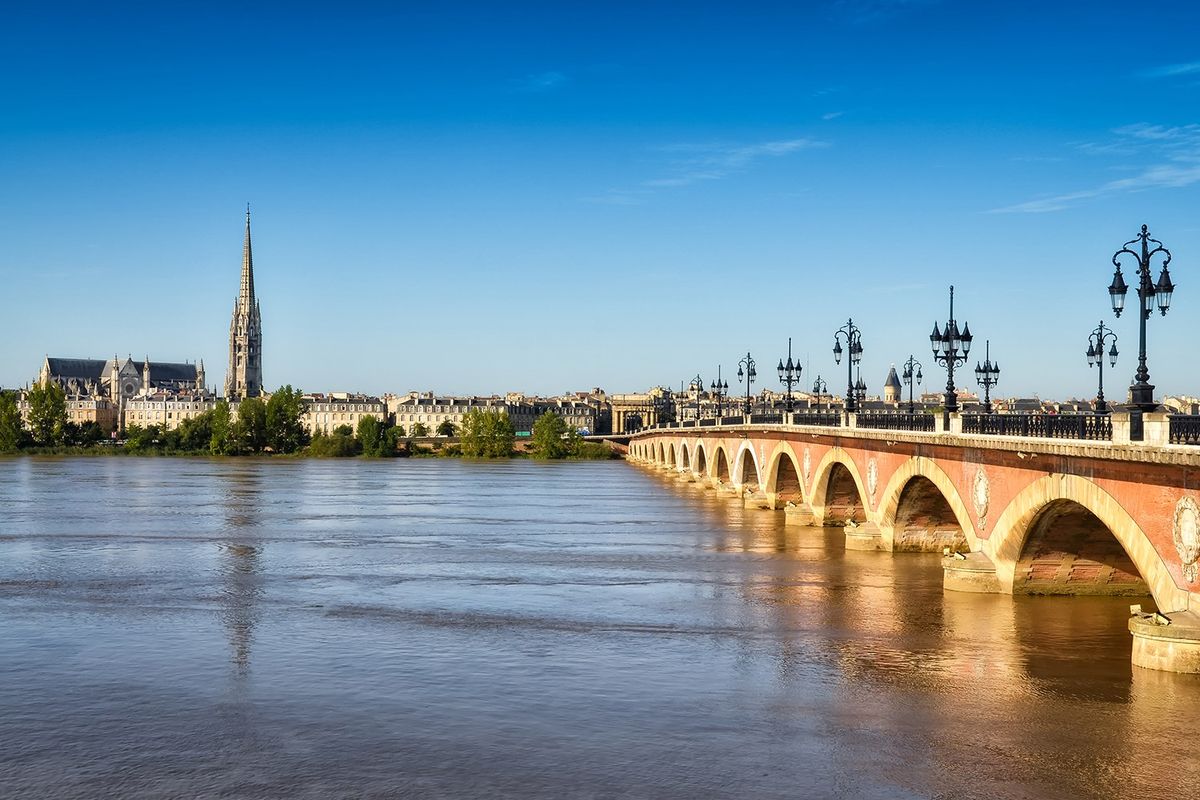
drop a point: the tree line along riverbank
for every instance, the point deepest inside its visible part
(275, 427)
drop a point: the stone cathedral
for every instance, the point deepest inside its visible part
(244, 378)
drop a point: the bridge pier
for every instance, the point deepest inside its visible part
(799, 514)
(864, 536)
(758, 499)
(1169, 648)
(973, 573)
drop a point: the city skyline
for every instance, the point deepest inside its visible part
(614, 205)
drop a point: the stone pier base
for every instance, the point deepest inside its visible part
(757, 500)
(865, 536)
(1170, 648)
(975, 573)
(799, 515)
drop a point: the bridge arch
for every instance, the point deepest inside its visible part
(700, 460)
(838, 492)
(660, 456)
(783, 476)
(685, 461)
(746, 459)
(721, 464)
(922, 506)
(1069, 500)
(670, 451)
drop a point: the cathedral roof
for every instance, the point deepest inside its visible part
(166, 371)
(89, 368)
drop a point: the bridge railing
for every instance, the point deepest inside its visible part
(1092, 427)
(738, 420)
(1183, 429)
(828, 419)
(899, 421)
(766, 419)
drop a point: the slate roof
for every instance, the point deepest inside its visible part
(87, 368)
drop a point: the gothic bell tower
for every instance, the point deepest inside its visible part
(244, 378)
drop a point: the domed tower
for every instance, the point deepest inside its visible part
(892, 387)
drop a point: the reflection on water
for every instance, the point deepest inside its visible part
(434, 628)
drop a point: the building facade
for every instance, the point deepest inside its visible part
(325, 413)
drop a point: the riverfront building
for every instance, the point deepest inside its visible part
(325, 413)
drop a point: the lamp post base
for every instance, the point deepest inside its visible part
(1141, 395)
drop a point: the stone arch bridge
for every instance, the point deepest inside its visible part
(1012, 514)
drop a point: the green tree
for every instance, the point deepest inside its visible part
(548, 432)
(419, 429)
(223, 441)
(47, 414)
(12, 432)
(139, 439)
(195, 434)
(487, 434)
(373, 438)
(447, 428)
(339, 444)
(252, 425)
(90, 433)
(285, 431)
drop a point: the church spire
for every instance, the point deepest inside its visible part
(247, 290)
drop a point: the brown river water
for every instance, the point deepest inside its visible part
(178, 628)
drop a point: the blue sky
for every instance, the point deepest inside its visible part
(478, 198)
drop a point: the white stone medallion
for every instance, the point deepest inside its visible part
(872, 478)
(807, 465)
(1187, 536)
(980, 495)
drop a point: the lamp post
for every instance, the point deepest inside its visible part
(912, 374)
(1095, 356)
(853, 336)
(720, 389)
(698, 383)
(860, 388)
(789, 376)
(987, 375)
(951, 348)
(1142, 391)
(746, 370)
(819, 388)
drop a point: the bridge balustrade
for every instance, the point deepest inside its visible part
(766, 419)
(829, 419)
(897, 421)
(738, 420)
(688, 423)
(708, 422)
(1183, 429)
(1093, 427)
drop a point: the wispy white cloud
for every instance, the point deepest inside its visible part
(540, 82)
(1174, 153)
(832, 115)
(1172, 70)
(693, 163)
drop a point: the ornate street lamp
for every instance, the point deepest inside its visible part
(746, 370)
(720, 389)
(860, 388)
(987, 375)
(853, 336)
(1095, 356)
(819, 388)
(1149, 293)
(950, 348)
(697, 383)
(912, 374)
(789, 376)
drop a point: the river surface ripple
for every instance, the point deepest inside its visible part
(424, 628)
